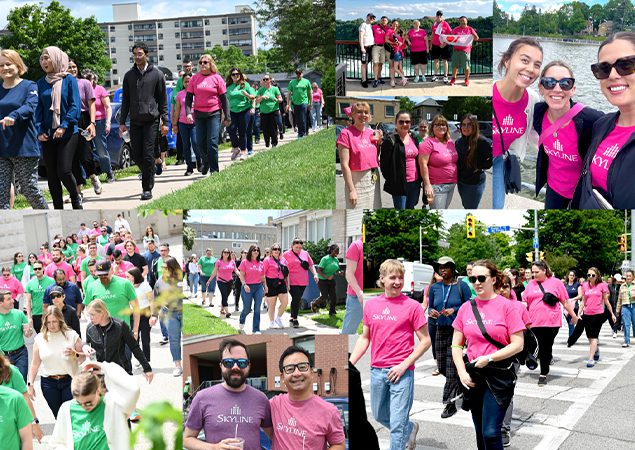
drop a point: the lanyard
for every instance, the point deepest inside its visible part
(446, 294)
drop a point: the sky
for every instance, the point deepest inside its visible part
(234, 216)
(515, 8)
(354, 9)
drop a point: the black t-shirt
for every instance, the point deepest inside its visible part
(137, 260)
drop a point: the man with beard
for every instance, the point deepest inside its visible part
(300, 418)
(231, 409)
(59, 263)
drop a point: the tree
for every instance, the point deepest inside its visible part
(405, 104)
(32, 28)
(499, 18)
(479, 106)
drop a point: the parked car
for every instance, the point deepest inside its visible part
(485, 128)
(416, 278)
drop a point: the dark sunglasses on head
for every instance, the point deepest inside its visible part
(403, 122)
(480, 278)
(623, 66)
(590, 275)
(566, 84)
(242, 363)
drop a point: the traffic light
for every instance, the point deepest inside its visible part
(530, 256)
(622, 243)
(470, 226)
(542, 256)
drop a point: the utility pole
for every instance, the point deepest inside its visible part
(537, 249)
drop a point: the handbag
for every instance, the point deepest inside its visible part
(511, 165)
(548, 297)
(284, 269)
(304, 264)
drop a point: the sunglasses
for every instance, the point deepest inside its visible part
(56, 295)
(566, 84)
(266, 79)
(225, 252)
(480, 278)
(290, 368)
(403, 122)
(203, 62)
(590, 275)
(277, 249)
(235, 74)
(38, 268)
(228, 363)
(623, 66)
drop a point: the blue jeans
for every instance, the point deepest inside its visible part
(570, 324)
(256, 291)
(353, 315)
(628, 319)
(174, 325)
(280, 122)
(471, 194)
(238, 128)
(553, 200)
(410, 200)
(299, 117)
(251, 121)
(498, 183)
(188, 139)
(193, 279)
(391, 403)
(162, 320)
(101, 145)
(487, 416)
(316, 114)
(212, 285)
(256, 126)
(56, 392)
(21, 361)
(207, 134)
(442, 195)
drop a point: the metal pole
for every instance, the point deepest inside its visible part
(537, 251)
(420, 245)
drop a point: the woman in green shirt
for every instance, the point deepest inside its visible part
(269, 98)
(241, 107)
(326, 270)
(18, 265)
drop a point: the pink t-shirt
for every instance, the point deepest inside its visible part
(297, 275)
(122, 249)
(225, 269)
(307, 424)
(445, 29)
(379, 33)
(362, 152)
(442, 160)
(206, 90)
(512, 118)
(594, 298)
(411, 160)
(460, 30)
(317, 96)
(100, 110)
(418, 40)
(522, 308)
(565, 164)
(392, 323)
(541, 314)
(122, 268)
(13, 285)
(356, 253)
(46, 259)
(501, 319)
(252, 270)
(49, 271)
(180, 97)
(606, 153)
(271, 267)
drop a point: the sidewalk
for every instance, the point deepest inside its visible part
(479, 87)
(126, 191)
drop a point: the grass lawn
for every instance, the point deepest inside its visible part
(198, 321)
(297, 175)
(334, 321)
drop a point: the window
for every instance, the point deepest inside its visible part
(224, 31)
(113, 50)
(177, 35)
(176, 24)
(307, 343)
(160, 57)
(160, 25)
(343, 106)
(224, 21)
(114, 71)
(206, 21)
(131, 60)
(207, 33)
(178, 46)
(112, 39)
(129, 27)
(208, 44)
(319, 229)
(160, 35)
(389, 111)
(160, 46)
(289, 233)
(112, 28)
(237, 31)
(130, 38)
(114, 60)
(178, 57)
(179, 67)
(236, 245)
(225, 43)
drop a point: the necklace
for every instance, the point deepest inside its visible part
(555, 133)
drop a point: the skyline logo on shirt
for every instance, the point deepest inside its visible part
(291, 428)
(507, 126)
(85, 430)
(292, 422)
(483, 319)
(235, 416)
(611, 152)
(385, 315)
(508, 120)
(558, 152)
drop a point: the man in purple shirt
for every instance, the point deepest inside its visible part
(231, 409)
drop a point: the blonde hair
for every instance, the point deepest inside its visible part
(99, 306)
(85, 383)
(390, 266)
(57, 313)
(15, 58)
(360, 106)
(212, 64)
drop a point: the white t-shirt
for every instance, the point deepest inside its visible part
(193, 267)
(142, 294)
(51, 354)
(369, 39)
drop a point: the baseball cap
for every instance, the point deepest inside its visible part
(57, 290)
(617, 277)
(371, 15)
(102, 268)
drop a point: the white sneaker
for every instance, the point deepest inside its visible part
(257, 332)
(279, 322)
(614, 335)
(412, 439)
(445, 80)
(416, 80)
(423, 79)
(434, 78)
(177, 372)
(96, 185)
(273, 325)
(241, 326)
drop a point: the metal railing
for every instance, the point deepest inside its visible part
(348, 52)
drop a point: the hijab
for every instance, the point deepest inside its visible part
(59, 60)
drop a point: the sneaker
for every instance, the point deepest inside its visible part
(506, 438)
(590, 363)
(416, 80)
(467, 82)
(404, 81)
(314, 307)
(412, 439)
(164, 341)
(273, 325)
(281, 136)
(434, 78)
(135, 416)
(435, 372)
(375, 83)
(364, 84)
(614, 335)
(423, 78)
(294, 323)
(382, 82)
(177, 372)
(111, 178)
(279, 322)
(241, 328)
(146, 195)
(596, 357)
(188, 172)
(96, 185)
(204, 169)
(392, 83)
(235, 153)
(452, 81)
(542, 380)
(449, 411)
(625, 345)
(445, 80)
(242, 157)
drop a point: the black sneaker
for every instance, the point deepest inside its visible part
(382, 82)
(542, 380)
(365, 84)
(204, 169)
(281, 136)
(507, 439)
(164, 341)
(295, 323)
(449, 411)
(146, 195)
(188, 172)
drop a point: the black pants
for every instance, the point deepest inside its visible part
(56, 392)
(296, 299)
(84, 153)
(179, 147)
(327, 291)
(144, 333)
(545, 336)
(225, 287)
(37, 322)
(269, 127)
(237, 287)
(58, 158)
(360, 428)
(143, 138)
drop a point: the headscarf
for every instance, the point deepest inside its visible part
(59, 59)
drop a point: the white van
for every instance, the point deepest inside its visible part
(416, 278)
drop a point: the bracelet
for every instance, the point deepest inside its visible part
(93, 123)
(36, 421)
(457, 346)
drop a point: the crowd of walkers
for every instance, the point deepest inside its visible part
(584, 157)
(481, 327)
(120, 286)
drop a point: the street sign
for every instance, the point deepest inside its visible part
(498, 229)
(535, 242)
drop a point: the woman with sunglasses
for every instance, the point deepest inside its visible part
(399, 164)
(269, 99)
(19, 264)
(513, 103)
(28, 271)
(544, 295)
(565, 131)
(610, 162)
(475, 156)
(276, 273)
(241, 106)
(437, 164)
(300, 263)
(252, 277)
(358, 146)
(186, 129)
(211, 100)
(224, 270)
(574, 291)
(238, 285)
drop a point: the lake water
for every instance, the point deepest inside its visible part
(579, 57)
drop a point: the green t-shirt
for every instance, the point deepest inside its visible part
(84, 266)
(14, 415)
(18, 269)
(102, 240)
(237, 101)
(329, 266)
(16, 382)
(207, 265)
(300, 91)
(88, 427)
(36, 288)
(69, 252)
(117, 296)
(269, 105)
(11, 337)
(88, 280)
(178, 88)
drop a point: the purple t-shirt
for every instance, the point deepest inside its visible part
(85, 92)
(217, 411)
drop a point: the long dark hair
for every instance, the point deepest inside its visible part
(622, 35)
(472, 141)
